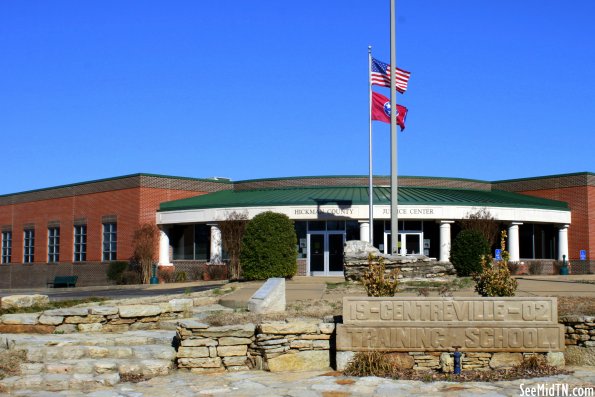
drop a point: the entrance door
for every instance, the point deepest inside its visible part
(408, 244)
(325, 253)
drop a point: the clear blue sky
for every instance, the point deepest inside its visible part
(255, 89)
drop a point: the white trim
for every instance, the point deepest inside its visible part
(360, 212)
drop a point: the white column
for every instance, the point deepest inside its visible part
(563, 242)
(364, 231)
(445, 241)
(513, 241)
(216, 249)
(164, 249)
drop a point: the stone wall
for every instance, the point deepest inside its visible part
(411, 267)
(96, 318)
(580, 340)
(274, 346)
(437, 361)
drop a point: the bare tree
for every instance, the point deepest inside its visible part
(144, 243)
(483, 222)
(232, 233)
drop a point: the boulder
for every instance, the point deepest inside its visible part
(411, 267)
(16, 301)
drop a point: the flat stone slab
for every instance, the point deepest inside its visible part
(270, 298)
(16, 301)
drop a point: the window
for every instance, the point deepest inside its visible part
(6, 246)
(80, 243)
(53, 244)
(110, 245)
(29, 246)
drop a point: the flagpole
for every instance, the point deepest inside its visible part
(394, 218)
(371, 187)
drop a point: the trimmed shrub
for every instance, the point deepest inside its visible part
(269, 247)
(466, 252)
(494, 278)
(115, 270)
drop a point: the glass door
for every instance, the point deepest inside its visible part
(408, 244)
(316, 254)
(336, 244)
(325, 253)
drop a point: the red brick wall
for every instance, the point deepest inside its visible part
(131, 207)
(581, 200)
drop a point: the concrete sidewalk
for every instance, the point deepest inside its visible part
(303, 287)
(298, 288)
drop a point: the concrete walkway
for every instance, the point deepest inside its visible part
(303, 288)
(324, 384)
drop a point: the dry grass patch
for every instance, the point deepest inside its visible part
(379, 364)
(576, 306)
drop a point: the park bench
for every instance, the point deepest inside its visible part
(63, 281)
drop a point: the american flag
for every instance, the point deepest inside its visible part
(381, 76)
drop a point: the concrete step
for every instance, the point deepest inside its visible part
(39, 354)
(87, 361)
(58, 382)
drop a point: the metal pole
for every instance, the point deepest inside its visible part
(371, 187)
(394, 218)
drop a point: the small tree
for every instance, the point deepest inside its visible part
(232, 233)
(482, 222)
(144, 243)
(466, 252)
(269, 247)
(494, 278)
(376, 281)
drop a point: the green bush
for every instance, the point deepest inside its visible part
(269, 247)
(466, 252)
(115, 270)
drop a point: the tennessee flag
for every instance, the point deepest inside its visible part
(381, 110)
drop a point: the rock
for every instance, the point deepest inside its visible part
(447, 363)
(92, 327)
(16, 301)
(51, 320)
(555, 359)
(227, 351)
(209, 362)
(180, 305)
(84, 319)
(326, 328)
(285, 328)
(103, 310)
(128, 311)
(240, 330)
(195, 342)
(26, 329)
(302, 361)
(20, 318)
(192, 324)
(401, 360)
(505, 360)
(69, 311)
(270, 298)
(234, 360)
(232, 340)
(184, 351)
(343, 358)
(411, 267)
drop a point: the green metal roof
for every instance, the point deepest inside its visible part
(358, 196)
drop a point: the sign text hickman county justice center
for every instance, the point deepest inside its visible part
(432, 324)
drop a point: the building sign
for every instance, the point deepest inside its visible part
(431, 324)
(322, 212)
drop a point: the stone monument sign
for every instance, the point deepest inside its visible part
(438, 324)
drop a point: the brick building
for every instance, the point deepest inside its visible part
(78, 228)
